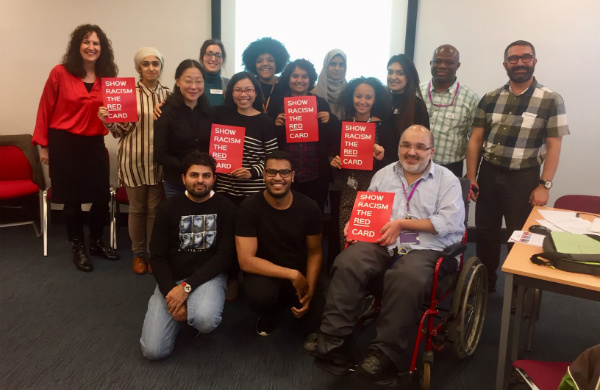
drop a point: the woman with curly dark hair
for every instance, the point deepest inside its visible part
(71, 137)
(265, 58)
(364, 100)
(409, 107)
(184, 125)
(309, 159)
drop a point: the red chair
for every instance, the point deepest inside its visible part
(18, 191)
(120, 197)
(47, 199)
(538, 375)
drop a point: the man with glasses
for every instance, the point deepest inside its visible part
(517, 127)
(451, 106)
(278, 239)
(427, 216)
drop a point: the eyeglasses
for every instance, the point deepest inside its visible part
(282, 172)
(189, 82)
(526, 58)
(210, 54)
(419, 147)
(247, 91)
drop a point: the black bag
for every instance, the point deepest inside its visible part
(570, 262)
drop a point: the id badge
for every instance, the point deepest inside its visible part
(409, 238)
(352, 183)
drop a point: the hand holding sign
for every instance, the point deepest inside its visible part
(120, 99)
(301, 119)
(371, 211)
(227, 147)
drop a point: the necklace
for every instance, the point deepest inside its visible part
(443, 105)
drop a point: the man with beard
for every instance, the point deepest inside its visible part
(516, 128)
(190, 252)
(427, 216)
(451, 106)
(278, 239)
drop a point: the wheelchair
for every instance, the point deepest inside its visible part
(458, 328)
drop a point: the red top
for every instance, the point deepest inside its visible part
(66, 105)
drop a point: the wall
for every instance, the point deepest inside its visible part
(33, 39)
(564, 35)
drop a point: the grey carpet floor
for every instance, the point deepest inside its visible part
(65, 329)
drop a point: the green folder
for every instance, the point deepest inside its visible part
(575, 243)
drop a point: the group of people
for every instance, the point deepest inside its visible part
(195, 229)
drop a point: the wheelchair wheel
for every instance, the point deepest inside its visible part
(468, 306)
(426, 376)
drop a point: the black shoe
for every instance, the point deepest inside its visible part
(377, 367)
(80, 258)
(322, 345)
(97, 248)
(265, 325)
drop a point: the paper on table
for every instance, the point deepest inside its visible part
(549, 225)
(567, 221)
(527, 238)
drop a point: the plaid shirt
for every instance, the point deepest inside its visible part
(451, 126)
(516, 127)
(305, 160)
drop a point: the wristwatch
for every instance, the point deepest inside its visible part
(186, 287)
(546, 183)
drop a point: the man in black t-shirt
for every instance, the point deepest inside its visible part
(278, 238)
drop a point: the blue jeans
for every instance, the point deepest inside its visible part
(204, 306)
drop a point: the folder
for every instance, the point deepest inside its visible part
(566, 242)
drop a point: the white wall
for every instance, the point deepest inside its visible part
(34, 35)
(565, 36)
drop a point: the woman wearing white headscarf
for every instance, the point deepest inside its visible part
(138, 170)
(332, 80)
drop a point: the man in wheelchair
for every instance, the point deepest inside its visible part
(428, 215)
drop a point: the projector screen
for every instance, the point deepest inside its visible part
(369, 32)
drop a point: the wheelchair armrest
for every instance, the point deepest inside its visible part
(454, 250)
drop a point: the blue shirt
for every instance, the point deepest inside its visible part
(438, 197)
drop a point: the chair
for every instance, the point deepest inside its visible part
(582, 203)
(47, 199)
(120, 197)
(538, 375)
(461, 326)
(21, 178)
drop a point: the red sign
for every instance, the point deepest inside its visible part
(301, 119)
(120, 99)
(371, 211)
(227, 146)
(356, 148)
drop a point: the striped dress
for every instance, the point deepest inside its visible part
(137, 164)
(260, 139)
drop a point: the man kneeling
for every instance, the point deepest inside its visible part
(191, 249)
(427, 216)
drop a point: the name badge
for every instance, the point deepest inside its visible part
(450, 115)
(352, 183)
(216, 91)
(409, 238)
(529, 115)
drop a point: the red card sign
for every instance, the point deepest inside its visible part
(120, 99)
(356, 149)
(301, 119)
(371, 211)
(227, 147)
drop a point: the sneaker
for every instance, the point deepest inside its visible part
(265, 325)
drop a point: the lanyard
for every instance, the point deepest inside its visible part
(268, 99)
(443, 105)
(409, 197)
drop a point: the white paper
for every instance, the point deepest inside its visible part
(567, 221)
(527, 238)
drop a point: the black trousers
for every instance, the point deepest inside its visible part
(502, 193)
(74, 220)
(268, 296)
(455, 167)
(406, 283)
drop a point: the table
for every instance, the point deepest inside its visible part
(520, 271)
